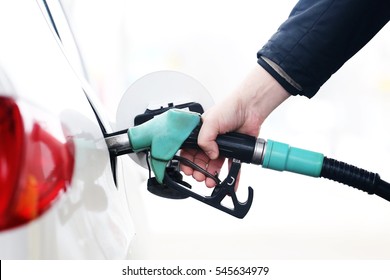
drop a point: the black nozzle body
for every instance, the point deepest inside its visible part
(231, 145)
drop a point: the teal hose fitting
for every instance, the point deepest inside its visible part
(280, 156)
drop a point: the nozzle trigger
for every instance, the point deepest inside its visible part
(226, 188)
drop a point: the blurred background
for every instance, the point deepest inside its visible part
(216, 42)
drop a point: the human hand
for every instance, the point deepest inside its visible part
(243, 111)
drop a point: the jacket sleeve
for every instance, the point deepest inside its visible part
(318, 38)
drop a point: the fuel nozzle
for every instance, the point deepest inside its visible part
(174, 129)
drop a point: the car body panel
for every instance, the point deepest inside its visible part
(91, 220)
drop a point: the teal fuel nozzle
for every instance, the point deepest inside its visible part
(163, 136)
(174, 129)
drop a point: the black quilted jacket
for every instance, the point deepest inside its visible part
(318, 38)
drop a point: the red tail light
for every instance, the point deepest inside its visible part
(36, 162)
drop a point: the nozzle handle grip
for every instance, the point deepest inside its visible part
(231, 145)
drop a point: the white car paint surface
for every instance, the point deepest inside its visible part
(91, 220)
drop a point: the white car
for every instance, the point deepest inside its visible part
(60, 194)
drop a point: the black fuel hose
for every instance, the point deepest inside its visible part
(353, 176)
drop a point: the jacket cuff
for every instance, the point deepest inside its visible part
(280, 76)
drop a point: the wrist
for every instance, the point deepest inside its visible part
(261, 94)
